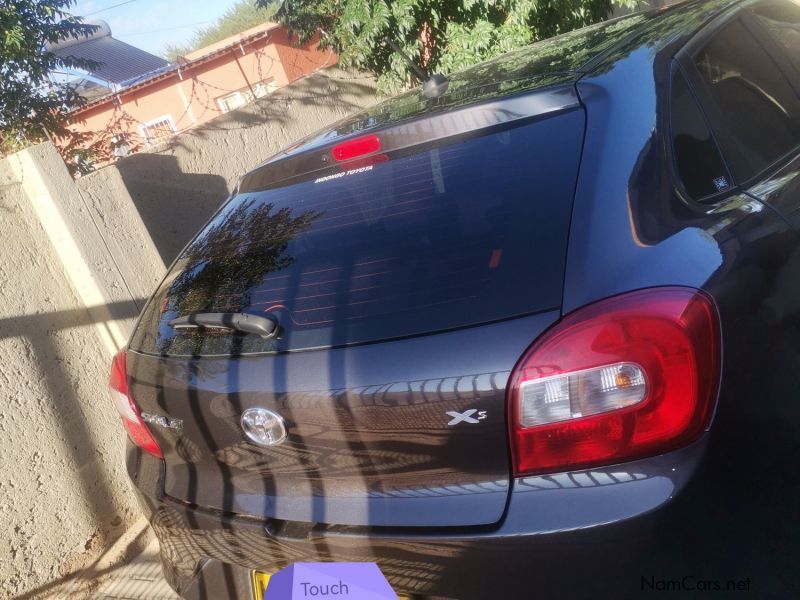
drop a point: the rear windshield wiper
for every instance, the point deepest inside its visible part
(265, 326)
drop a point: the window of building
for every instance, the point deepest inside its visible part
(697, 158)
(245, 96)
(158, 130)
(231, 102)
(758, 107)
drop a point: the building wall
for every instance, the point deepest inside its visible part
(190, 98)
(299, 60)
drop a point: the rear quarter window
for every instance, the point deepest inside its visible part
(697, 158)
(450, 236)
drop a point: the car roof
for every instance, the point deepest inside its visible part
(556, 61)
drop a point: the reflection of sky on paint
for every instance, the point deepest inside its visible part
(766, 189)
(153, 24)
(689, 257)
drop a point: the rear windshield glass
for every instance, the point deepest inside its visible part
(452, 236)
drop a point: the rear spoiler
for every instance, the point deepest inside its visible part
(409, 137)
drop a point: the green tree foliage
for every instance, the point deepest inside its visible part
(442, 36)
(29, 103)
(242, 15)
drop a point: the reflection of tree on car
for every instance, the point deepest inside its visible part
(243, 245)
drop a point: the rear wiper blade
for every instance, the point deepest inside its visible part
(265, 326)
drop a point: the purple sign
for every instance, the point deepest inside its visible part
(347, 581)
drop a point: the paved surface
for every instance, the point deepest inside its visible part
(139, 579)
(129, 570)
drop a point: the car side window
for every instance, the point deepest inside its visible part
(697, 157)
(759, 109)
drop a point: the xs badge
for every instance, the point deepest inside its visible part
(466, 416)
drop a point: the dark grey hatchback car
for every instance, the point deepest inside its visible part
(534, 337)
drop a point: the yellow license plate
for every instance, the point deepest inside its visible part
(260, 581)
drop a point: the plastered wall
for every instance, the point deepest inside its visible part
(177, 186)
(62, 490)
(77, 261)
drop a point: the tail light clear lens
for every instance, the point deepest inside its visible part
(123, 402)
(581, 394)
(627, 377)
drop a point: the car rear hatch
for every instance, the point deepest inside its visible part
(408, 270)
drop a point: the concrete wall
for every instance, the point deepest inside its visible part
(77, 261)
(62, 489)
(177, 186)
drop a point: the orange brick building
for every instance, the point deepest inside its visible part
(198, 87)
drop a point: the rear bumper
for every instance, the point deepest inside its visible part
(574, 535)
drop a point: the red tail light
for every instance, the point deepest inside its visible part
(120, 396)
(628, 377)
(354, 148)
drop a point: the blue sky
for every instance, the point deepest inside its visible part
(152, 24)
